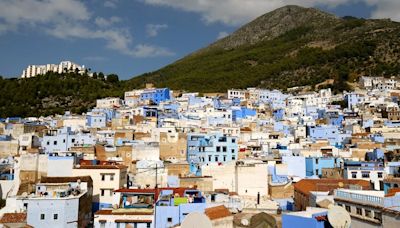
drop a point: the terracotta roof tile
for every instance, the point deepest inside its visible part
(217, 212)
(13, 218)
(392, 192)
(306, 185)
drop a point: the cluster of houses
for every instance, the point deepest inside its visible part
(63, 67)
(245, 158)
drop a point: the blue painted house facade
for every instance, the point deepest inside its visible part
(155, 95)
(314, 165)
(171, 210)
(209, 148)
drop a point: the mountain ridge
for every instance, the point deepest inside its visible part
(290, 46)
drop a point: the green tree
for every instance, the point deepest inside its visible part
(112, 78)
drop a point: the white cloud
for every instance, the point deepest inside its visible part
(111, 4)
(222, 34)
(71, 19)
(14, 13)
(385, 9)
(144, 50)
(153, 29)
(237, 12)
(103, 22)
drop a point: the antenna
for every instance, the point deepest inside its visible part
(338, 217)
(196, 219)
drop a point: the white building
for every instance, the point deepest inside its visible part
(109, 102)
(57, 202)
(106, 178)
(62, 67)
(237, 93)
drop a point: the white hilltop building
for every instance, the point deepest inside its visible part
(62, 67)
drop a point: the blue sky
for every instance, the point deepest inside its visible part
(131, 37)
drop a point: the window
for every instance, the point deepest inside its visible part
(348, 209)
(367, 213)
(209, 158)
(359, 211)
(63, 140)
(55, 142)
(216, 158)
(365, 174)
(224, 149)
(316, 172)
(233, 158)
(233, 151)
(48, 142)
(102, 192)
(55, 216)
(380, 175)
(169, 219)
(353, 174)
(233, 140)
(316, 161)
(72, 140)
(42, 217)
(112, 177)
(148, 225)
(218, 149)
(103, 177)
(224, 157)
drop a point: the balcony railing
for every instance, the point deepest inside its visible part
(361, 198)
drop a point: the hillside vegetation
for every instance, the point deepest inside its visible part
(291, 46)
(53, 94)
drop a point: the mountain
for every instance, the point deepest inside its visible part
(291, 46)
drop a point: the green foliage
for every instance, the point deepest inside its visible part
(112, 78)
(52, 94)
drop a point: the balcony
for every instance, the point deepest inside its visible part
(360, 198)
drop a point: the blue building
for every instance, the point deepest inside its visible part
(314, 165)
(352, 99)
(208, 148)
(242, 112)
(311, 218)
(171, 207)
(155, 95)
(96, 120)
(332, 133)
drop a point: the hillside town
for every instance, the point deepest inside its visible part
(245, 158)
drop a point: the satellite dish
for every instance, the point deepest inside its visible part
(338, 217)
(196, 219)
(244, 222)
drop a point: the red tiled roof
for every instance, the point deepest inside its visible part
(179, 191)
(132, 221)
(13, 218)
(129, 190)
(217, 212)
(392, 192)
(86, 179)
(101, 167)
(306, 185)
(111, 212)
